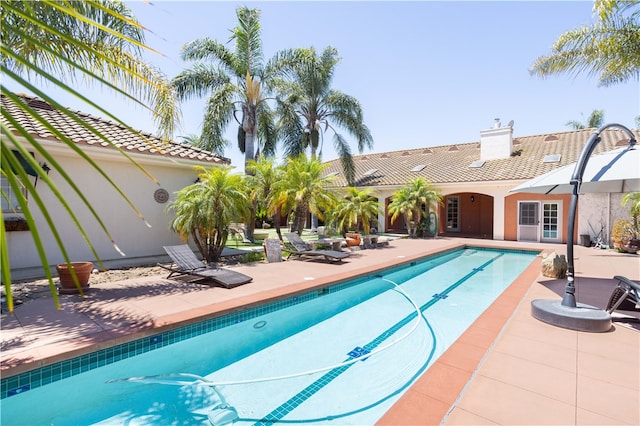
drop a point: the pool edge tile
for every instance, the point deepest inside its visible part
(464, 355)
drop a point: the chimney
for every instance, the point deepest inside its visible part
(496, 143)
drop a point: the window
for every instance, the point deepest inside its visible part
(477, 164)
(10, 203)
(550, 221)
(552, 158)
(528, 213)
(453, 216)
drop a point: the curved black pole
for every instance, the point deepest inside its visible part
(569, 298)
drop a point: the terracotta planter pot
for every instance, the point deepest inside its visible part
(353, 239)
(83, 272)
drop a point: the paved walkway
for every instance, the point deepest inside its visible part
(508, 368)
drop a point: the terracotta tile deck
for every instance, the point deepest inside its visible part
(508, 368)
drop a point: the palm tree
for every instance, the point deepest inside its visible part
(204, 210)
(309, 107)
(402, 203)
(304, 189)
(190, 139)
(56, 43)
(596, 119)
(359, 207)
(261, 181)
(411, 199)
(608, 49)
(234, 81)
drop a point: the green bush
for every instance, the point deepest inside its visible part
(254, 256)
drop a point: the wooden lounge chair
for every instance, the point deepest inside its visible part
(185, 262)
(626, 295)
(299, 248)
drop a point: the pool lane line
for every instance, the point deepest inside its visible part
(287, 407)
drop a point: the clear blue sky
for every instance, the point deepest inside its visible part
(426, 73)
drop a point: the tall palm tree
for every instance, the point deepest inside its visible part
(234, 81)
(303, 189)
(309, 107)
(204, 210)
(58, 43)
(609, 48)
(596, 119)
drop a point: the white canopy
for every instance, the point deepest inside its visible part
(613, 171)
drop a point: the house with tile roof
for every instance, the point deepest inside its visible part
(475, 180)
(171, 163)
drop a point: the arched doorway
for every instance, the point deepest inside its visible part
(466, 214)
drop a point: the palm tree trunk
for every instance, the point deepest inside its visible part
(276, 223)
(314, 218)
(301, 217)
(201, 248)
(249, 154)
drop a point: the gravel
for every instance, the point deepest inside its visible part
(27, 290)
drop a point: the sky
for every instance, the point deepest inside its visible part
(426, 73)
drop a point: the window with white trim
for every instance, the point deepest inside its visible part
(9, 197)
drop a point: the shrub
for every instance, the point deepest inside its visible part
(254, 256)
(621, 234)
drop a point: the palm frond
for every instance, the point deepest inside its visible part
(58, 42)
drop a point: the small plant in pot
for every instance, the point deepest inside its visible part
(69, 285)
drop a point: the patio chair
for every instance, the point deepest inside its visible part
(185, 262)
(297, 247)
(626, 295)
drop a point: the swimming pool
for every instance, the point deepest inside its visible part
(354, 337)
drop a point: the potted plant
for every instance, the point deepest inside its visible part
(353, 239)
(67, 283)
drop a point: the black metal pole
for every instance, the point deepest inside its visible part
(569, 298)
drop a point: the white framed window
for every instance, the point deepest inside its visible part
(453, 214)
(10, 197)
(551, 221)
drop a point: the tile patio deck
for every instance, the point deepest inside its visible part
(508, 368)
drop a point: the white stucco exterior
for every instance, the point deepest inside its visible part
(132, 235)
(600, 210)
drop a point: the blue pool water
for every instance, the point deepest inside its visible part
(339, 355)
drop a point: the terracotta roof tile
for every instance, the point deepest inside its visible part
(451, 163)
(130, 141)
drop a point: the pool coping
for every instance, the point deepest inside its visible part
(438, 388)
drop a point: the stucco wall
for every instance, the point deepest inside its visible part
(511, 212)
(130, 233)
(600, 210)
